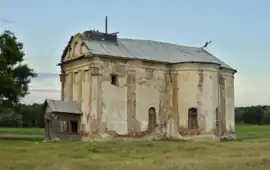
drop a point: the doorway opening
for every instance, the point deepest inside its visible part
(74, 126)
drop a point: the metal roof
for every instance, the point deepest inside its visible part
(152, 50)
(63, 106)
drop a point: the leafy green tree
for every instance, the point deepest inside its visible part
(253, 115)
(239, 112)
(14, 75)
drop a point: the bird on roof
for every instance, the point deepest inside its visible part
(206, 44)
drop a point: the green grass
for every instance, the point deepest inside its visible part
(252, 132)
(23, 155)
(244, 132)
(22, 131)
(251, 153)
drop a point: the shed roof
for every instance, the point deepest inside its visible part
(152, 50)
(63, 106)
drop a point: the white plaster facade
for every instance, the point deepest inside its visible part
(121, 111)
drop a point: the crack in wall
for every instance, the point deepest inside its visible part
(167, 103)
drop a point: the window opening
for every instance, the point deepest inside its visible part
(151, 119)
(193, 118)
(114, 79)
(74, 126)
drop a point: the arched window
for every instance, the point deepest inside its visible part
(151, 119)
(193, 118)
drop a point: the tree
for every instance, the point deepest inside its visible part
(14, 75)
(254, 115)
(23, 115)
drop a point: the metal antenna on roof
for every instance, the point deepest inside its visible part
(106, 25)
(206, 44)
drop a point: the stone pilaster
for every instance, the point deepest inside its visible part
(96, 105)
(131, 101)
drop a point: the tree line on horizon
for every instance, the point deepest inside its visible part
(32, 116)
(255, 115)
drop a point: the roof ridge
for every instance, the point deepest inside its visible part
(154, 50)
(157, 41)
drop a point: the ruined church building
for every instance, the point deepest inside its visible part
(127, 88)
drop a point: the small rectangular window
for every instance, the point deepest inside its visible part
(114, 79)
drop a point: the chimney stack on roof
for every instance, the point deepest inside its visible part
(106, 25)
(101, 36)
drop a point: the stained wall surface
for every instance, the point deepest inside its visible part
(122, 107)
(125, 105)
(197, 87)
(229, 99)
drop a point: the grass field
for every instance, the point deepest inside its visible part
(252, 152)
(22, 131)
(252, 132)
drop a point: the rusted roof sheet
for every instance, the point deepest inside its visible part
(152, 50)
(63, 106)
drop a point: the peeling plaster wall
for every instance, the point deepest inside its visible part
(114, 98)
(198, 87)
(77, 88)
(171, 90)
(95, 102)
(229, 99)
(86, 80)
(123, 108)
(150, 87)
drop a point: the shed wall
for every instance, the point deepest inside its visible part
(56, 126)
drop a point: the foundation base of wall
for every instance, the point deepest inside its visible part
(202, 137)
(228, 137)
(156, 136)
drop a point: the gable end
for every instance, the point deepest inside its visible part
(75, 48)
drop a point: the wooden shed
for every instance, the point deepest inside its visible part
(62, 120)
